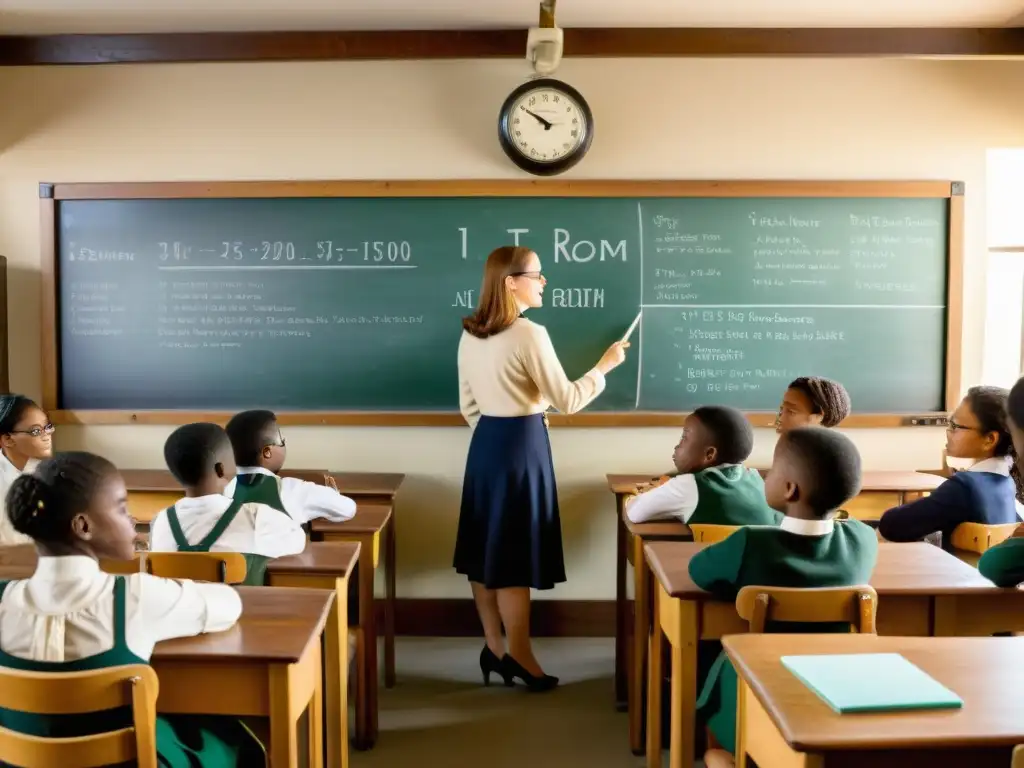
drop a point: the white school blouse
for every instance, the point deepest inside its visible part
(517, 373)
(8, 474)
(256, 530)
(304, 500)
(64, 611)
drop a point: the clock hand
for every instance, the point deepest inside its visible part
(545, 123)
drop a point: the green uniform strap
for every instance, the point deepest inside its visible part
(211, 538)
(176, 532)
(222, 525)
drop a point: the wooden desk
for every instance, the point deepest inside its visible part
(327, 566)
(881, 490)
(267, 665)
(639, 631)
(922, 591)
(785, 724)
(322, 568)
(370, 523)
(151, 490)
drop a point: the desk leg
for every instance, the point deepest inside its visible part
(389, 605)
(621, 608)
(366, 654)
(638, 646)
(683, 705)
(316, 721)
(336, 674)
(284, 743)
(654, 687)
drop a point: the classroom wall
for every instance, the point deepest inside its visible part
(894, 119)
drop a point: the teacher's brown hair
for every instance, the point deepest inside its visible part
(497, 308)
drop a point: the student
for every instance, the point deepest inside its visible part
(814, 471)
(985, 493)
(1004, 563)
(811, 401)
(206, 520)
(712, 485)
(25, 440)
(70, 616)
(260, 453)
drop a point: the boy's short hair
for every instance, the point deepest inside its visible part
(192, 451)
(729, 430)
(827, 466)
(249, 432)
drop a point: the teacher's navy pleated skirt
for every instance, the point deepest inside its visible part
(510, 534)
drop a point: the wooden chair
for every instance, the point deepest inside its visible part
(710, 534)
(975, 537)
(1018, 757)
(74, 693)
(223, 567)
(856, 606)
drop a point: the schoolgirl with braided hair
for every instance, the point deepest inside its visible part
(978, 430)
(72, 616)
(25, 440)
(812, 401)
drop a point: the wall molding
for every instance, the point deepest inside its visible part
(434, 617)
(188, 47)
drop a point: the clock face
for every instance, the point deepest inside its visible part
(545, 127)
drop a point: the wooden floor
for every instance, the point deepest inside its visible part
(440, 714)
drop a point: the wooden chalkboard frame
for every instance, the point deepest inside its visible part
(51, 194)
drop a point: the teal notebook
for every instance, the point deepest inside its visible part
(870, 682)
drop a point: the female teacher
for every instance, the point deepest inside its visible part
(510, 535)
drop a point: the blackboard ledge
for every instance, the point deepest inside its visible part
(454, 419)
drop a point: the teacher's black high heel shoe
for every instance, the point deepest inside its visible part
(533, 683)
(489, 662)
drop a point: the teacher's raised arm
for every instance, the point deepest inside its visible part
(510, 534)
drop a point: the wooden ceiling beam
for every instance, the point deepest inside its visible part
(506, 43)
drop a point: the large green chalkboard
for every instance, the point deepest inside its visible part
(354, 303)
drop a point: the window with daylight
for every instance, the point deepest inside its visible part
(1003, 362)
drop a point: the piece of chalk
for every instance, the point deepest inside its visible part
(632, 328)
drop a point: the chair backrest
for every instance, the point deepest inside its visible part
(856, 606)
(1018, 757)
(709, 533)
(223, 567)
(976, 537)
(75, 693)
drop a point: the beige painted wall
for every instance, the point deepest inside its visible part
(656, 119)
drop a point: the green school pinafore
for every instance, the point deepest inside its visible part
(255, 565)
(182, 741)
(259, 489)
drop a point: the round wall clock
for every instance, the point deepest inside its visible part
(545, 126)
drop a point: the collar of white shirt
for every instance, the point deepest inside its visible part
(9, 471)
(255, 471)
(807, 527)
(66, 568)
(998, 465)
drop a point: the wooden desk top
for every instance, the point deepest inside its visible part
(371, 517)
(985, 672)
(319, 557)
(902, 569)
(277, 625)
(874, 480)
(661, 529)
(349, 483)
